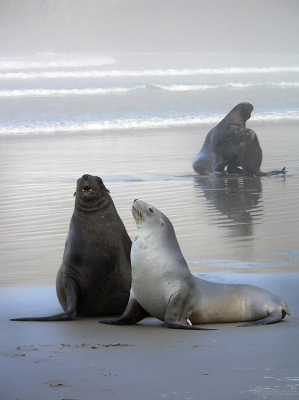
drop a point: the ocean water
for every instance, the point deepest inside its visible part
(138, 121)
(48, 93)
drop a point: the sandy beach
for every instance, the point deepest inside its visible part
(87, 360)
(248, 237)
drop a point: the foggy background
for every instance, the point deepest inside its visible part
(122, 26)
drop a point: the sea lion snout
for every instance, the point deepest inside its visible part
(87, 188)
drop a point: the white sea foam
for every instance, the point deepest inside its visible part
(119, 90)
(237, 85)
(123, 124)
(275, 84)
(95, 73)
(67, 92)
(120, 124)
(184, 88)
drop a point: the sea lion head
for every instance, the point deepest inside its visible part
(245, 110)
(90, 191)
(148, 216)
(155, 235)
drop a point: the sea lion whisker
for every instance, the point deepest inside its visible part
(137, 212)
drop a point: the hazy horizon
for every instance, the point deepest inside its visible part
(156, 26)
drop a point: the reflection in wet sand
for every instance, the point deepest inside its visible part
(248, 221)
(238, 198)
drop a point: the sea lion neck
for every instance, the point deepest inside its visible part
(97, 205)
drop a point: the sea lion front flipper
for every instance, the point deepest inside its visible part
(175, 316)
(132, 314)
(187, 326)
(72, 295)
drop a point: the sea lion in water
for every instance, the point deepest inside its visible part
(163, 286)
(210, 156)
(95, 274)
(224, 136)
(202, 164)
(245, 151)
(230, 144)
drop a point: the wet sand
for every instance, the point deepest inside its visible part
(242, 230)
(87, 360)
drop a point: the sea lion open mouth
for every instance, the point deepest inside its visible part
(88, 194)
(87, 189)
(137, 213)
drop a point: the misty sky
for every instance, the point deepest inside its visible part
(114, 26)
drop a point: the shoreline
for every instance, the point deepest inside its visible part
(202, 128)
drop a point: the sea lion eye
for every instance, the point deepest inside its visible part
(151, 210)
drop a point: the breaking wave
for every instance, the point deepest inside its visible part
(123, 89)
(237, 85)
(123, 124)
(94, 73)
(67, 92)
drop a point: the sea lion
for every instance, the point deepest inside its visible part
(224, 138)
(210, 157)
(245, 151)
(163, 286)
(95, 275)
(202, 163)
(231, 145)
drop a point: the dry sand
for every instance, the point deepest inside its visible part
(85, 360)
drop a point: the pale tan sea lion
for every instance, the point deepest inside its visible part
(163, 286)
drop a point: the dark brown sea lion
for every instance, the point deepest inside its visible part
(225, 136)
(212, 157)
(202, 163)
(231, 145)
(245, 151)
(95, 274)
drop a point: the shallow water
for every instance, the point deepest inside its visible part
(222, 224)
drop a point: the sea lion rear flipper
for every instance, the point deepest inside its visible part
(278, 172)
(67, 316)
(132, 314)
(72, 293)
(274, 317)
